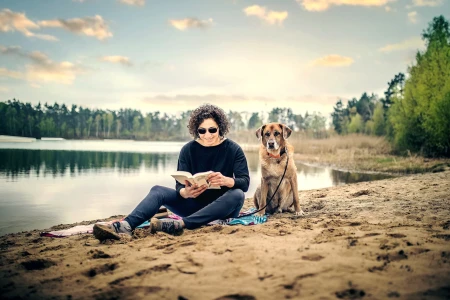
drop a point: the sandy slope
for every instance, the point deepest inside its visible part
(377, 240)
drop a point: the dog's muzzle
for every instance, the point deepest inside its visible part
(272, 144)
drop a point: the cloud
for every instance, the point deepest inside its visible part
(90, 26)
(13, 21)
(41, 68)
(322, 5)
(412, 16)
(35, 85)
(270, 16)
(183, 24)
(133, 2)
(118, 60)
(4, 89)
(11, 74)
(333, 60)
(45, 70)
(412, 43)
(427, 2)
(10, 50)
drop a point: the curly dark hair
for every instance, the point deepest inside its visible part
(208, 111)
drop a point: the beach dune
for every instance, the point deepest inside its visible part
(375, 240)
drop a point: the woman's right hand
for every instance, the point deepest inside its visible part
(192, 191)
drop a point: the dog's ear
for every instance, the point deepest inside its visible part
(259, 131)
(286, 131)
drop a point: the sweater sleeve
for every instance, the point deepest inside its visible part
(240, 170)
(183, 165)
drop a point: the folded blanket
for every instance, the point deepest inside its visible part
(83, 229)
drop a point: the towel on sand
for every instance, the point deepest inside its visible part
(83, 229)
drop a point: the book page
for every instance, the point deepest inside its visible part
(181, 177)
(182, 173)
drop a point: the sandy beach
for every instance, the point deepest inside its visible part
(375, 240)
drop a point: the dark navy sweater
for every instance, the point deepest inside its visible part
(226, 158)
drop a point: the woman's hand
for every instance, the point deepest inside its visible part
(217, 178)
(192, 191)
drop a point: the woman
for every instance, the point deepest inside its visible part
(197, 205)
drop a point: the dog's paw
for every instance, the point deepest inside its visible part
(280, 211)
(260, 213)
(300, 213)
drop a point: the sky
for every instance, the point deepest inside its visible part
(172, 56)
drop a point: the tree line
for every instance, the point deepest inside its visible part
(414, 114)
(24, 119)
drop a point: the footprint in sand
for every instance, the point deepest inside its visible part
(101, 269)
(38, 264)
(394, 256)
(54, 248)
(351, 294)
(361, 193)
(128, 292)
(445, 237)
(99, 254)
(189, 266)
(313, 257)
(236, 297)
(397, 235)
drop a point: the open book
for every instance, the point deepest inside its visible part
(199, 178)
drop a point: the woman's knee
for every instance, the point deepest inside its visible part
(156, 189)
(237, 195)
(160, 192)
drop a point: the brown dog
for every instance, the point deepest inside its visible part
(273, 154)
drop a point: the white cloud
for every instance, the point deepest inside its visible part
(11, 74)
(427, 2)
(412, 16)
(4, 89)
(89, 26)
(45, 70)
(35, 85)
(14, 21)
(133, 2)
(118, 60)
(333, 60)
(183, 24)
(270, 16)
(41, 68)
(412, 43)
(321, 5)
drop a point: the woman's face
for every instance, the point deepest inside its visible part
(208, 138)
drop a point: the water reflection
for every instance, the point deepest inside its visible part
(17, 162)
(43, 187)
(344, 177)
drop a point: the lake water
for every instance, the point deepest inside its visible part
(45, 183)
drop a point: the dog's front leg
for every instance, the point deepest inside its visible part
(294, 185)
(263, 197)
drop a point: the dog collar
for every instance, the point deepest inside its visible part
(273, 156)
(283, 151)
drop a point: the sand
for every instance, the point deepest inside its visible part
(376, 240)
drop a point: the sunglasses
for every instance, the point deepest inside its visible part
(210, 129)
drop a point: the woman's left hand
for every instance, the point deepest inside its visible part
(217, 178)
